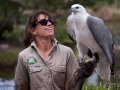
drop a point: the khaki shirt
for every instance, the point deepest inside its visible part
(49, 74)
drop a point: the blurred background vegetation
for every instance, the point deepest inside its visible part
(14, 15)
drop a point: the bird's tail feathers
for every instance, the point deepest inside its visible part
(103, 67)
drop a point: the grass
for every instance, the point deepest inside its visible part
(109, 86)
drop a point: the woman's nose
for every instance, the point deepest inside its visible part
(49, 23)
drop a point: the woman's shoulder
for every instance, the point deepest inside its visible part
(64, 48)
(25, 51)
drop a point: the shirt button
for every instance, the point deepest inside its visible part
(47, 62)
(48, 76)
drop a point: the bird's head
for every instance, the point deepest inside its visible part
(77, 8)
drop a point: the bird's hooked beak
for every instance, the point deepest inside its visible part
(72, 9)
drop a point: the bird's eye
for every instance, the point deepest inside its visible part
(77, 7)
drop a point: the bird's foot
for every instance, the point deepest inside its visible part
(96, 56)
(81, 60)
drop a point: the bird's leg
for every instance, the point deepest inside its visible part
(96, 56)
(81, 58)
(82, 49)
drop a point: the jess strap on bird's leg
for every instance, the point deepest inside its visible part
(82, 72)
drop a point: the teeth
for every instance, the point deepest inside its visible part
(48, 29)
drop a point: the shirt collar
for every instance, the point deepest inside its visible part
(54, 41)
(33, 44)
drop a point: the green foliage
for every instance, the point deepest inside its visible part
(15, 35)
(8, 9)
(9, 15)
(100, 87)
(8, 56)
(12, 13)
(51, 5)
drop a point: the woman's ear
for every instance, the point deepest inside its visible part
(33, 31)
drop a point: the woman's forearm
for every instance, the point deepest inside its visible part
(24, 87)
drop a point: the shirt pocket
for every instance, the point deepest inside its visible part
(60, 69)
(59, 73)
(34, 68)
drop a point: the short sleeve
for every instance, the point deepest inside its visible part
(71, 65)
(21, 72)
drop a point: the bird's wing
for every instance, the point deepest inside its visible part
(70, 28)
(102, 36)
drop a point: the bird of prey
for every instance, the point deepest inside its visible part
(92, 35)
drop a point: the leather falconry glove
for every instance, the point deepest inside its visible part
(82, 72)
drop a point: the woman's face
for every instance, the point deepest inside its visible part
(43, 30)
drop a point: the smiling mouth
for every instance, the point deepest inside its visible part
(48, 29)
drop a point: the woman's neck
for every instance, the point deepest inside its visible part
(44, 45)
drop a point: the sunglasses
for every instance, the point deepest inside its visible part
(44, 22)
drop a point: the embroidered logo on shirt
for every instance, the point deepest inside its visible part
(32, 60)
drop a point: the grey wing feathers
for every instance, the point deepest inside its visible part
(102, 36)
(70, 28)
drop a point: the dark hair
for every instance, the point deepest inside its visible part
(31, 23)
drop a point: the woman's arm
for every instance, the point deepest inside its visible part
(84, 71)
(66, 84)
(21, 74)
(24, 87)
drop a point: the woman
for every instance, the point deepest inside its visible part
(44, 64)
